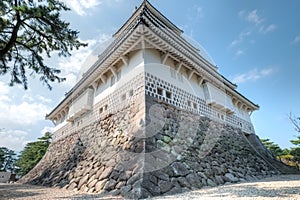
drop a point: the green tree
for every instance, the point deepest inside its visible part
(7, 159)
(296, 142)
(1, 158)
(32, 154)
(295, 151)
(274, 148)
(286, 151)
(30, 30)
(296, 122)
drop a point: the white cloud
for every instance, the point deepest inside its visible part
(242, 36)
(81, 6)
(27, 98)
(198, 10)
(242, 13)
(257, 25)
(296, 40)
(4, 90)
(252, 75)
(71, 80)
(112, 3)
(19, 111)
(254, 18)
(258, 21)
(194, 15)
(81, 59)
(267, 29)
(70, 66)
(13, 139)
(23, 114)
(27, 111)
(47, 129)
(89, 3)
(43, 99)
(239, 52)
(73, 63)
(266, 71)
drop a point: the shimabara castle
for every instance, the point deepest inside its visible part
(152, 116)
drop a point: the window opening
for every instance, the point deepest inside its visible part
(131, 93)
(123, 97)
(195, 106)
(168, 94)
(159, 91)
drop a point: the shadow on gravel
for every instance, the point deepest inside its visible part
(92, 197)
(256, 191)
(290, 177)
(284, 189)
(12, 191)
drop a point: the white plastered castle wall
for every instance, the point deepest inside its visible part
(154, 66)
(127, 73)
(107, 97)
(186, 92)
(135, 76)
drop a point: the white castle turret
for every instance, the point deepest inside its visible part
(151, 116)
(148, 55)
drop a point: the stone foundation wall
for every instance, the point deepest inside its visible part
(148, 149)
(187, 152)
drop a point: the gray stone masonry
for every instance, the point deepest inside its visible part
(149, 149)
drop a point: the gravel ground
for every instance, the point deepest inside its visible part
(276, 187)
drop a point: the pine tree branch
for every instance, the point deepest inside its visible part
(295, 122)
(14, 34)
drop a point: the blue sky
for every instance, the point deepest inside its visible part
(255, 44)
